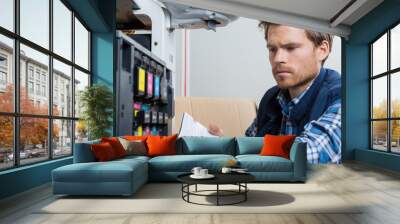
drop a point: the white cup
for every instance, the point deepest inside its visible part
(196, 171)
(203, 172)
(226, 170)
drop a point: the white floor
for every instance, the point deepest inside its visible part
(377, 189)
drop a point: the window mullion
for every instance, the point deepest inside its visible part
(16, 68)
(50, 81)
(389, 105)
(371, 89)
(73, 82)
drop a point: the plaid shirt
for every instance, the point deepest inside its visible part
(323, 136)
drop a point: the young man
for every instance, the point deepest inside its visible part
(306, 100)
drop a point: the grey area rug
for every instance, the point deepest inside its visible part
(166, 198)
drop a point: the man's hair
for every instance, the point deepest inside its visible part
(315, 37)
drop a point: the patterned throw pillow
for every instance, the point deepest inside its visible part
(134, 138)
(137, 147)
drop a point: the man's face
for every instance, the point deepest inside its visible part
(294, 59)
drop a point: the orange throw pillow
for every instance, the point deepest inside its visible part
(116, 145)
(161, 145)
(103, 151)
(277, 145)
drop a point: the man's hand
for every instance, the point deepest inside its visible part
(215, 130)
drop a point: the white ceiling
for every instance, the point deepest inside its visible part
(319, 15)
(319, 9)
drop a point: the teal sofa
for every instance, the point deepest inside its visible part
(125, 176)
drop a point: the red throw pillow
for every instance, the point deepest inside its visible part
(103, 151)
(116, 145)
(277, 145)
(161, 145)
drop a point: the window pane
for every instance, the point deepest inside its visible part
(395, 132)
(379, 55)
(395, 47)
(33, 140)
(6, 74)
(35, 21)
(395, 94)
(62, 89)
(7, 14)
(81, 81)
(379, 135)
(34, 78)
(81, 131)
(81, 45)
(6, 142)
(62, 29)
(379, 97)
(62, 138)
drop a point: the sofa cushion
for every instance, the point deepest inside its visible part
(206, 145)
(185, 163)
(130, 158)
(249, 145)
(111, 171)
(257, 163)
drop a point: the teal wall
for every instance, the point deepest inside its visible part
(24, 178)
(99, 16)
(356, 72)
(104, 51)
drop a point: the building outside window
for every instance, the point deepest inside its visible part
(43, 78)
(3, 61)
(55, 96)
(3, 78)
(43, 90)
(37, 75)
(30, 72)
(3, 72)
(30, 87)
(38, 89)
(3, 81)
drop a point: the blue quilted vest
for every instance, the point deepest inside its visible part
(323, 92)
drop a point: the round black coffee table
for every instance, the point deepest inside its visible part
(238, 179)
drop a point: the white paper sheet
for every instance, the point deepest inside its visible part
(190, 127)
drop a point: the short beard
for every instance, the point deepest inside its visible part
(300, 84)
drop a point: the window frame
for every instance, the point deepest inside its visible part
(388, 74)
(16, 114)
(3, 77)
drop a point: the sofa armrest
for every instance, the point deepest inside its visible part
(83, 152)
(298, 155)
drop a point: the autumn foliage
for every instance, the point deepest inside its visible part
(33, 131)
(380, 127)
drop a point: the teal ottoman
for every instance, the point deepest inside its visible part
(118, 177)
